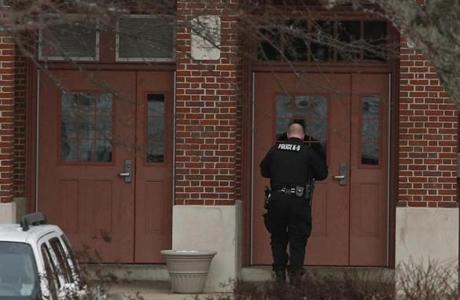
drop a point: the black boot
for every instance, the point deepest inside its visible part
(280, 275)
(295, 276)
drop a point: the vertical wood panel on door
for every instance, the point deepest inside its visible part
(154, 165)
(369, 169)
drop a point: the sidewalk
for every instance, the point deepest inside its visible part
(157, 290)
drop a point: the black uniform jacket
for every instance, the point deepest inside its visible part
(292, 162)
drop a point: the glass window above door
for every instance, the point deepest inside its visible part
(64, 40)
(146, 38)
(86, 127)
(128, 38)
(344, 41)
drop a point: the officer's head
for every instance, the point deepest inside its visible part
(295, 130)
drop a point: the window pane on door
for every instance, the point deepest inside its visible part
(86, 127)
(370, 130)
(312, 110)
(155, 128)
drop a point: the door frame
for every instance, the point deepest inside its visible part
(392, 70)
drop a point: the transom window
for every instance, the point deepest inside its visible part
(131, 38)
(146, 38)
(69, 40)
(323, 41)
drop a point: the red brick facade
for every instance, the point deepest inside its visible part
(7, 74)
(207, 100)
(20, 126)
(427, 136)
(208, 121)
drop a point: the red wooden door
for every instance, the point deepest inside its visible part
(90, 175)
(328, 104)
(369, 169)
(154, 164)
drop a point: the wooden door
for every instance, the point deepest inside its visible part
(86, 124)
(105, 161)
(369, 169)
(154, 164)
(327, 103)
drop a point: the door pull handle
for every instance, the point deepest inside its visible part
(343, 174)
(127, 169)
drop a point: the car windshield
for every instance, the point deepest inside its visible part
(18, 271)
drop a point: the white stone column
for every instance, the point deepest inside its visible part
(211, 228)
(427, 235)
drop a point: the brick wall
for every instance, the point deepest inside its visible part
(19, 156)
(207, 101)
(7, 57)
(427, 136)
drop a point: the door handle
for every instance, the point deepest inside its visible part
(343, 173)
(127, 171)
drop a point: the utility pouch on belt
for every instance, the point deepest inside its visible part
(268, 194)
(309, 189)
(299, 191)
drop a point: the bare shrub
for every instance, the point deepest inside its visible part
(428, 281)
(409, 281)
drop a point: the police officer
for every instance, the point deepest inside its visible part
(290, 165)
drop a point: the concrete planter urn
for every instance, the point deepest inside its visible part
(188, 269)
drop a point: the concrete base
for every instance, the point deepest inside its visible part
(7, 213)
(211, 228)
(425, 235)
(126, 272)
(376, 274)
(21, 207)
(158, 290)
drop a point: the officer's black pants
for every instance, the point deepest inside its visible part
(290, 223)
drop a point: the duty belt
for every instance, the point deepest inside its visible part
(298, 191)
(287, 191)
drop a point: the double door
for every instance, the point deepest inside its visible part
(348, 115)
(105, 161)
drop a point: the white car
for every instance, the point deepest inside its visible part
(36, 262)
